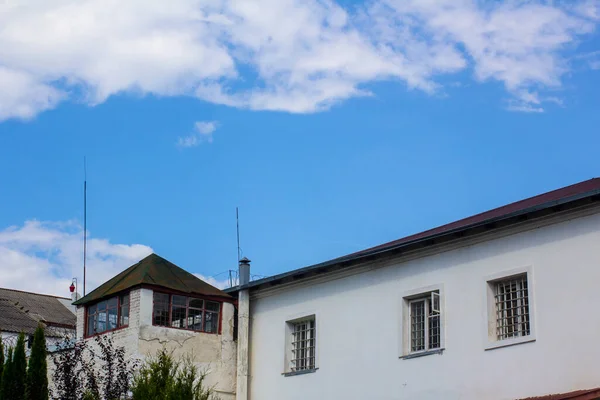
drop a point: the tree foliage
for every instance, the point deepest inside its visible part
(19, 365)
(91, 370)
(37, 370)
(6, 391)
(1, 360)
(163, 378)
(99, 370)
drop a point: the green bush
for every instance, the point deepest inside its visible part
(163, 378)
(89, 395)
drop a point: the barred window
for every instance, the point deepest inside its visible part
(512, 307)
(425, 329)
(303, 347)
(107, 315)
(184, 312)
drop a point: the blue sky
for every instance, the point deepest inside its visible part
(350, 144)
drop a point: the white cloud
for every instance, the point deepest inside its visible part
(220, 284)
(203, 132)
(43, 257)
(524, 107)
(592, 59)
(286, 55)
(517, 43)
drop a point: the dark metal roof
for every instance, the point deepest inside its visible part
(532, 202)
(23, 311)
(574, 196)
(153, 271)
(589, 394)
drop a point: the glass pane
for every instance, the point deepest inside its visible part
(211, 322)
(125, 299)
(92, 309)
(161, 298)
(101, 305)
(112, 319)
(179, 301)
(161, 309)
(112, 302)
(101, 322)
(195, 319)
(124, 321)
(417, 325)
(161, 314)
(178, 317)
(196, 303)
(212, 306)
(91, 325)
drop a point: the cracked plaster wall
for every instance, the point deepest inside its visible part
(215, 354)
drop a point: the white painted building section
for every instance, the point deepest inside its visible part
(361, 331)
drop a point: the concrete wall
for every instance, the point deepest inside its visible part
(215, 354)
(359, 325)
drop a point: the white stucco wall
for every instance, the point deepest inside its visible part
(359, 325)
(212, 353)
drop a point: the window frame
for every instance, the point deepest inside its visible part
(428, 310)
(490, 330)
(118, 307)
(290, 324)
(435, 293)
(187, 308)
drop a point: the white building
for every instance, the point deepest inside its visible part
(154, 303)
(501, 305)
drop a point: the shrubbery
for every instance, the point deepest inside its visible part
(99, 370)
(163, 378)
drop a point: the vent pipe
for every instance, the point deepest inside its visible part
(244, 271)
(243, 330)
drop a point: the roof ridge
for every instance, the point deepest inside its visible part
(126, 271)
(153, 270)
(558, 200)
(171, 265)
(448, 225)
(34, 293)
(510, 204)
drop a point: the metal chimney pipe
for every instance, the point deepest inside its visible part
(243, 330)
(244, 271)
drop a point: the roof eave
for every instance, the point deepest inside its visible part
(562, 205)
(225, 296)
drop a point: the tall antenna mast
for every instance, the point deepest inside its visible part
(84, 220)
(237, 222)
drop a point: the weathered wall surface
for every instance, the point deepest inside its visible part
(215, 354)
(359, 325)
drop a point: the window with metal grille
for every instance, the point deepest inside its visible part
(512, 307)
(303, 345)
(425, 328)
